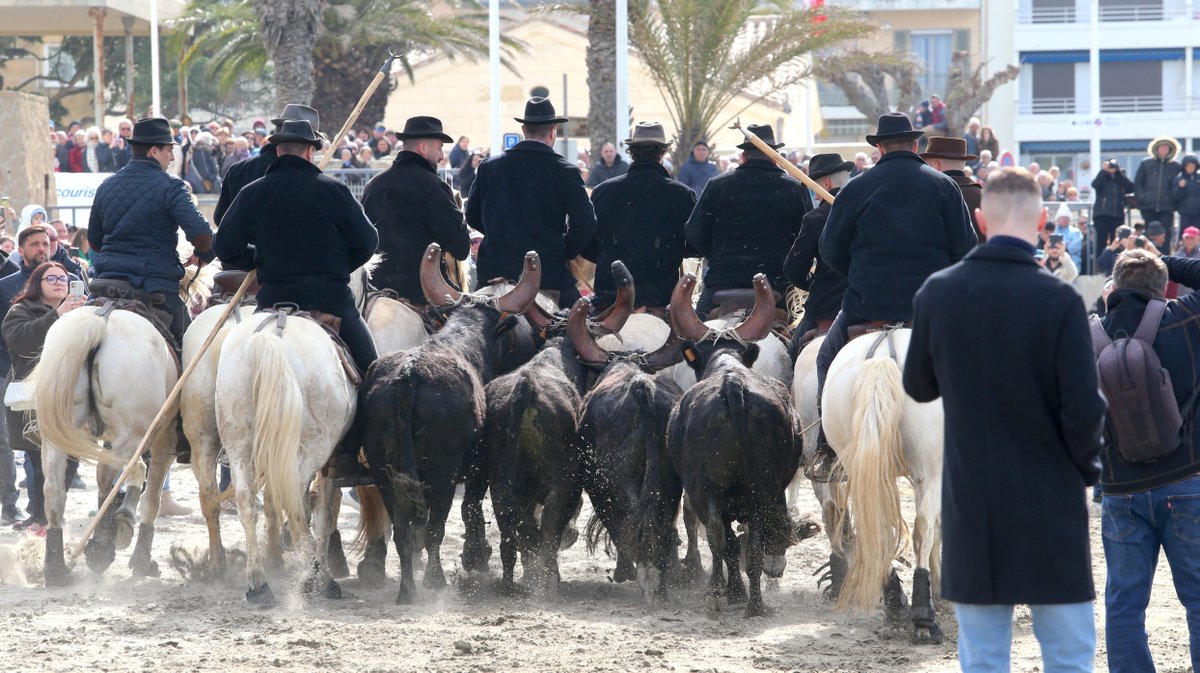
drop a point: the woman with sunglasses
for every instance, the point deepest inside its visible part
(45, 299)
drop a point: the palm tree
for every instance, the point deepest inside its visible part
(602, 74)
(703, 54)
(289, 33)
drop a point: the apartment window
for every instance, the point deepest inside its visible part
(1053, 88)
(58, 67)
(1131, 86)
(1053, 11)
(933, 49)
(846, 129)
(1131, 10)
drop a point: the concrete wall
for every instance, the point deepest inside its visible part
(26, 162)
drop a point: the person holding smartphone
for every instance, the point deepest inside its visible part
(1123, 240)
(1056, 259)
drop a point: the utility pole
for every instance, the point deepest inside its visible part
(622, 79)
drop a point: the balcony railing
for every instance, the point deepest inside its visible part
(1135, 12)
(1108, 105)
(1048, 15)
(1048, 106)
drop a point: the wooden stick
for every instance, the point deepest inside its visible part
(783, 163)
(172, 398)
(384, 71)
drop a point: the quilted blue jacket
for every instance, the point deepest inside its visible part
(133, 226)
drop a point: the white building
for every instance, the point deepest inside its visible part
(1140, 55)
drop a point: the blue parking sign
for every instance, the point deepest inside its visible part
(511, 139)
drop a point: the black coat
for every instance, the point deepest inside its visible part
(1110, 190)
(241, 174)
(1175, 344)
(304, 232)
(1023, 433)
(639, 220)
(972, 193)
(889, 229)
(412, 207)
(601, 172)
(745, 221)
(825, 287)
(1187, 197)
(529, 198)
(1153, 183)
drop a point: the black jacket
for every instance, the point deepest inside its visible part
(11, 286)
(745, 222)
(601, 172)
(1023, 425)
(1178, 334)
(412, 207)
(1110, 190)
(303, 231)
(24, 330)
(529, 198)
(889, 229)
(1187, 197)
(825, 287)
(241, 174)
(972, 193)
(1153, 183)
(639, 220)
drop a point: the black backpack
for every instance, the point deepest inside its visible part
(1144, 420)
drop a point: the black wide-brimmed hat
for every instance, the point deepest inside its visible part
(894, 125)
(540, 110)
(424, 127)
(152, 131)
(648, 134)
(827, 164)
(764, 131)
(297, 131)
(296, 111)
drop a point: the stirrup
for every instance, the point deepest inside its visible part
(824, 468)
(344, 471)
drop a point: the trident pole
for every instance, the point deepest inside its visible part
(384, 71)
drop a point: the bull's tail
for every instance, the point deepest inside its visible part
(65, 358)
(278, 405)
(520, 413)
(873, 460)
(393, 465)
(651, 434)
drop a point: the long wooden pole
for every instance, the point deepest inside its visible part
(384, 71)
(783, 163)
(172, 399)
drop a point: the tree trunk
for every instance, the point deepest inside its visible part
(289, 30)
(602, 75)
(344, 77)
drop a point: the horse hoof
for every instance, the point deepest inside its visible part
(99, 555)
(336, 558)
(261, 598)
(124, 535)
(927, 634)
(147, 568)
(371, 574)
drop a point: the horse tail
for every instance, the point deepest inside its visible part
(66, 355)
(873, 461)
(374, 522)
(278, 414)
(393, 464)
(594, 532)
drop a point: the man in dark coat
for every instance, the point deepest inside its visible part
(244, 172)
(305, 233)
(1024, 429)
(1155, 177)
(521, 200)
(697, 170)
(1152, 505)
(609, 166)
(888, 230)
(744, 221)
(1186, 192)
(135, 219)
(412, 207)
(1109, 188)
(949, 156)
(639, 220)
(825, 287)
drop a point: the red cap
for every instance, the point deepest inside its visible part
(1192, 231)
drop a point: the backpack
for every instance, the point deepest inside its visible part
(1144, 419)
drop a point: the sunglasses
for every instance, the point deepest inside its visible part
(55, 279)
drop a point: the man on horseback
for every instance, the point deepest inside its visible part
(888, 230)
(412, 207)
(305, 233)
(134, 219)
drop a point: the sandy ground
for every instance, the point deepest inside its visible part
(113, 623)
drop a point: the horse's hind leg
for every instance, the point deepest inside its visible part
(161, 457)
(54, 467)
(837, 567)
(258, 593)
(335, 558)
(926, 543)
(274, 544)
(324, 511)
(204, 465)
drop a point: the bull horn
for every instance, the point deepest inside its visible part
(612, 320)
(437, 291)
(518, 299)
(683, 317)
(586, 348)
(667, 355)
(758, 324)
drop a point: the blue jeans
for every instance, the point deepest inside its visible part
(1066, 633)
(1135, 526)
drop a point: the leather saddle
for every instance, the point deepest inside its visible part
(117, 293)
(277, 316)
(228, 282)
(431, 316)
(820, 330)
(855, 331)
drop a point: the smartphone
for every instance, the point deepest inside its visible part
(77, 288)
(74, 252)
(1055, 239)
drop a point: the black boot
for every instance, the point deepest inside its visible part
(183, 448)
(345, 470)
(822, 467)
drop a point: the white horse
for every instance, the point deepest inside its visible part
(879, 435)
(104, 379)
(283, 402)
